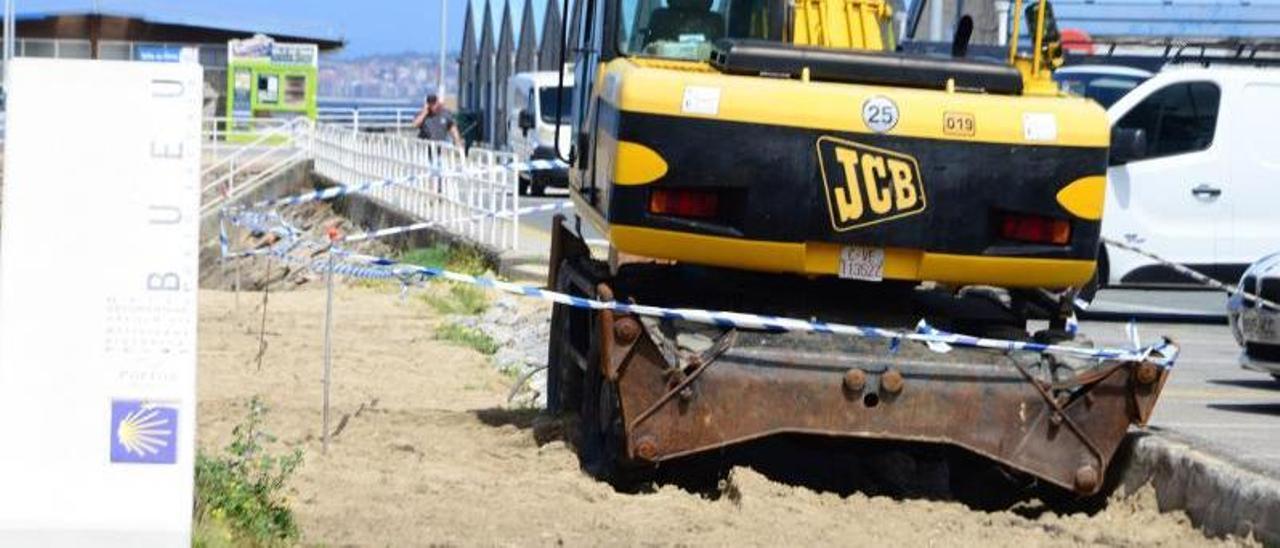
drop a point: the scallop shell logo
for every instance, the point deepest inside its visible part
(143, 432)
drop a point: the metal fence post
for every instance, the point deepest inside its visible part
(515, 211)
(328, 350)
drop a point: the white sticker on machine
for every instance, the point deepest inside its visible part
(1039, 126)
(701, 100)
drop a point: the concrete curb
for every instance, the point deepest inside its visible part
(1221, 498)
(523, 267)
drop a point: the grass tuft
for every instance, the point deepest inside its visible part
(472, 338)
(459, 299)
(456, 258)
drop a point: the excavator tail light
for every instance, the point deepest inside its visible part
(695, 204)
(1035, 229)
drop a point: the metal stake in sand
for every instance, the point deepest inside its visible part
(328, 340)
(262, 329)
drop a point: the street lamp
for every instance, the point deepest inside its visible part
(10, 42)
(444, 30)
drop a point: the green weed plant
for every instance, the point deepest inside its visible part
(240, 498)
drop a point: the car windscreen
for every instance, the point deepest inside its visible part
(1106, 89)
(547, 104)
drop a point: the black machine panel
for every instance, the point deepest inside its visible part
(756, 57)
(766, 175)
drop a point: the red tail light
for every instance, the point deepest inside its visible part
(697, 204)
(1035, 229)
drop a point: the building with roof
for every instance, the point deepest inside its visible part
(496, 46)
(91, 35)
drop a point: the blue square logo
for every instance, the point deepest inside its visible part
(144, 432)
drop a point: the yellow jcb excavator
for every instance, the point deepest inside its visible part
(791, 158)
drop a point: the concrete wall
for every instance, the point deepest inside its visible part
(291, 181)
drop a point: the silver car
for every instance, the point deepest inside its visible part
(1255, 327)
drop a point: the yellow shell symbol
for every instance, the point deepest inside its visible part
(143, 432)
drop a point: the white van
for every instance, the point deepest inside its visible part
(531, 127)
(1195, 174)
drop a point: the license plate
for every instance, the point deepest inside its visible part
(862, 263)
(1258, 327)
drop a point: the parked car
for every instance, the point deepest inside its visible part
(1193, 174)
(1105, 84)
(1257, 328)
(534, 102)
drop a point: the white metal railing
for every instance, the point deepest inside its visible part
(471, 194)
(219, 130)
(386, 119)
(238, 162)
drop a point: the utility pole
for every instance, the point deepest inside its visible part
(9, 31)
(444, 32)
(10, 42)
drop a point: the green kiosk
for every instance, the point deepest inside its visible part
(268, 80)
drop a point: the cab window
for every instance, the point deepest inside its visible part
(683, 29)
(687, 29)
(1178, 119)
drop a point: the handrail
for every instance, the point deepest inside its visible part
(267, 154)
(448, 185)
(290, 129)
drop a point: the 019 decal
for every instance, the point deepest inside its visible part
(866, 185)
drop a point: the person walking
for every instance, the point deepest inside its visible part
(435, 123)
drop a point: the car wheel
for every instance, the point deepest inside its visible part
(524, 186)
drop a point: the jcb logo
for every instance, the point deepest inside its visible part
(867, 185)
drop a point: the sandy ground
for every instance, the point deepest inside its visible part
(429, 455)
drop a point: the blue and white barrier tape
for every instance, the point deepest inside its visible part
(1195, 275)
(1164, 353)
(338, 191)
(256, 221)
(392, 231)
(224, 241)
(321, 266)
(330, 193)
(537, 165)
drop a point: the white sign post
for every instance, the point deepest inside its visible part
(98, 277)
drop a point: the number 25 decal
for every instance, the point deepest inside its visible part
(880, 114)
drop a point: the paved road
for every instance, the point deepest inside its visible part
(1164, 302)
(542, 221)
(1209, 400)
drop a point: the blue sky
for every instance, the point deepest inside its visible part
(394, 26)
(369, 26)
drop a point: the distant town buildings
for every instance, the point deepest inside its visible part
(404, 77)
